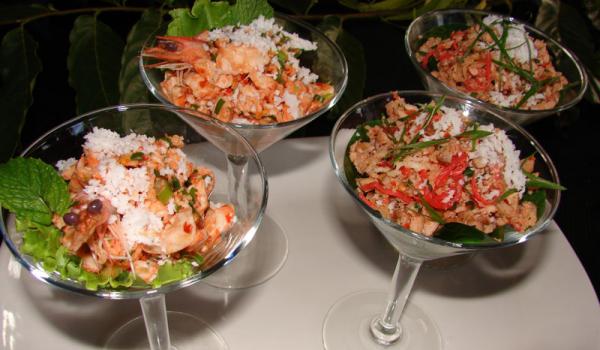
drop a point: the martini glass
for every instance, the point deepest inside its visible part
(380, 320)
(208, 143)
(564, 60)
(268, 251)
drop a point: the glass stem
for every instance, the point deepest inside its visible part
(386, 328)
(155, 318)
(237, 169)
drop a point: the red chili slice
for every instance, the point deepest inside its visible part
(377, 186)
(479, 199)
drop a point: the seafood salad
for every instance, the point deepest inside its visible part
(426, 166)
(245, 74)
(138, 205)
(496, 61)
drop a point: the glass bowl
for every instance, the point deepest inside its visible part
(268, 252)
(365, 311)
(328, 62)
(564, 60)
(207, 142)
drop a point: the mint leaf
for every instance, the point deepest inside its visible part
(33, 190)
(207, 15)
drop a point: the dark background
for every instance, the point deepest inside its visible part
(571, 138)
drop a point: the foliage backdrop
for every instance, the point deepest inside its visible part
(63, 58)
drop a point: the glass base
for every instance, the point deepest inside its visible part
(186, 332)
(347, 325)
(258, 262)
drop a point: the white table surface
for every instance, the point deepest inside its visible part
(533, 296)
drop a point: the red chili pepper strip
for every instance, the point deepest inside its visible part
(479, 199)
(377, 186)
(425, 58)
(438, 198)
(367, 202)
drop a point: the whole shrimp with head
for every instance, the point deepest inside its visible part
(139, 204)
(248, 74)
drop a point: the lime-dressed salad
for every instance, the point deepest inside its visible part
(431, 169)
(238, 68)
(131, 210)
(494, 60)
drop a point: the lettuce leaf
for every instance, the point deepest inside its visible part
(43, 244)
(33, 190)
(207, 15)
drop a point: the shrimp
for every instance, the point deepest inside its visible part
(75, 236)
(216, 222)
(243, 59)
(178, 52)
(203, 181)
(146, 270)
(177, 235)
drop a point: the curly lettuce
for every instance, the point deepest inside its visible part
(207, 15)
(34, 192)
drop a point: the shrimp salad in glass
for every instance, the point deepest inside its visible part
(247, 74)
(495, 61)
(425, 166)
(138, 204)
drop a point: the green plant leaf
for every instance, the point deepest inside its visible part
(538, 198)
(535, 181)
(17, 12)
(385, 5)
(593, 12)
(576, 36)
(296, 6)
(131, 87)
(355, 56)
(20, 66)
(547, 17)
(206, 14)
(33, 189)
(461, 233)
(426, 6)
(94, 63)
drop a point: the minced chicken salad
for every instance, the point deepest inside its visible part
(138, 205)
(246, 74)
(495, 61)
(424, 166)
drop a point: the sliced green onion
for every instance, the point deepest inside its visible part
(137, 156)
(220, 104)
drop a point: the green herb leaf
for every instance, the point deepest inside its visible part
(474, 134)
(461, 233)
(538, 198)
(137, 156)
(424, 144)
(165, 193)
(432, 64)
(282, 58)
(219, 105)
(468, 172)
(20, 67)
(94, 63)
(433, 214)
(33, 190)
(534, 181)
(206, 15)
(505, 195)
